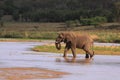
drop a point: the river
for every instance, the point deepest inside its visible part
(19, 54)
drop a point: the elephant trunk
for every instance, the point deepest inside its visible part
(58, 46)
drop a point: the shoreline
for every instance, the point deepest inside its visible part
(19, 40)
(19, 73)
(51, 41)
(99, 48)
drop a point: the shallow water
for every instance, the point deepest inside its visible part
(18, 54)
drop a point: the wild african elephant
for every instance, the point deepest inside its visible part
(74, 41)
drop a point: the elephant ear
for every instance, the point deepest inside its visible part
(68, 38)
(60, 34)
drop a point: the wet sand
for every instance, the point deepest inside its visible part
(28, 73)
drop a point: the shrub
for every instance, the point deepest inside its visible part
(13, 35)
(93, 21)
(72, 23)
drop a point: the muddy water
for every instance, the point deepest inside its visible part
(18, 54)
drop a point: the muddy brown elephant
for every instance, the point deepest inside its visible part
(73, 41)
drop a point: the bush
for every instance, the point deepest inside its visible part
(72, 23)
(93, 21)
(85, 21)
(13, 35)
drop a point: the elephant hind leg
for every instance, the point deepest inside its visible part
(87, 55)
(91, 55)
(73, 52)
(88, 52)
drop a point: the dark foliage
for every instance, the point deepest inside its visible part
(59, 10)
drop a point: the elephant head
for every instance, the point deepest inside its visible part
(62, 37)
(58, 41)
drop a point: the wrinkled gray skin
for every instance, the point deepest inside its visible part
(74, 41)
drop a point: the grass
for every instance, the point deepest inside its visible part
(49, 31)
(36, 31)
(102, 50)
(105, 50)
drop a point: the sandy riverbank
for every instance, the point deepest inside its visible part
(28, 73)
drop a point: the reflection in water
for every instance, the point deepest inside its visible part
(74, 60)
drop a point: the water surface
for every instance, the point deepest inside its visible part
(18, 54)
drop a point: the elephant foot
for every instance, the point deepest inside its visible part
(74, 56)
(91, 56)
(87, 56)
(64, 56)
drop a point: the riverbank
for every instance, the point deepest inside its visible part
(107, 32)
(19, 40)
(99, 49)
(28, 73)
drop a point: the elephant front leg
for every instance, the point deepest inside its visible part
(73, 49)
(65, 51)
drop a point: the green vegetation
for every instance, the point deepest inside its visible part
(109, 37)
(93, 21)
(110, 33)
(104, 50)
(58, 11)
(43, 19)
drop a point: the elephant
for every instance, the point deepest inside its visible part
(73, 41)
